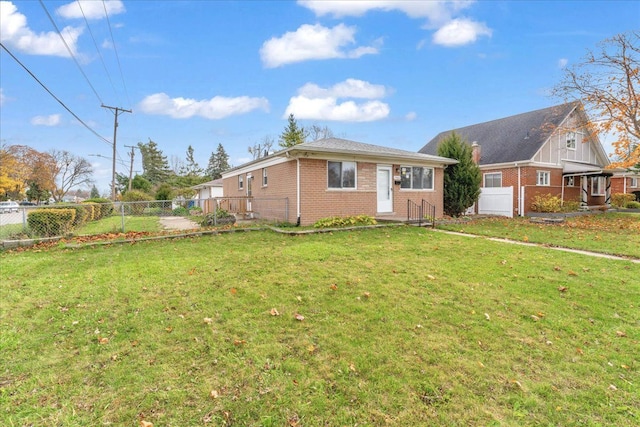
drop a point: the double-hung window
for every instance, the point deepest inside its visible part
(240, 182)
(542, 178)
(571, 181)
(598, 184)
(493, 179)
(341, 174)
(571, 140)
(264, 177)
(416, 178)
(633, 183)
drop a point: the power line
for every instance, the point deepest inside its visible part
(104, 65)
(70, 51)
(115, 50)
(54, 97)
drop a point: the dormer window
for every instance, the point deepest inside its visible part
(571, 140)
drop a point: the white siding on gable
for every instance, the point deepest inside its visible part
(555, 150)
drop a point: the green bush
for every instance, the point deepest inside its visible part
(51, 222)
(347, 221)
(619, 200)
(181, 211)
(546, 203)
(632, 205)
(221, 217)
(136, 196)
(195, 210)
(571, 206)
(81, 215)
(105, 205)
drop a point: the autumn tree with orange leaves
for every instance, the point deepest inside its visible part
(607, 82)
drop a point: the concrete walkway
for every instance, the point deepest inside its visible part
(555, 248)
(178, 223)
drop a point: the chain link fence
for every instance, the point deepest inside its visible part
(89, 219)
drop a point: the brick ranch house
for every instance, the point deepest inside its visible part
(626, 181)
(338, 177)
(547, 151)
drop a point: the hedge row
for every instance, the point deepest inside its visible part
(61, 219)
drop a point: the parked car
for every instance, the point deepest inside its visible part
(8, 207)
(25, 203)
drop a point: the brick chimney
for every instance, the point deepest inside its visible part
(475, 152)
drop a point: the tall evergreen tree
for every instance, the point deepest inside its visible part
(462, 180)
(292, 134)
(95, 194)
(218, 163)
(155, 166)
(191, 167)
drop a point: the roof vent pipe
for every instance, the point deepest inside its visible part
(475, 152)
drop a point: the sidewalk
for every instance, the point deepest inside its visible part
(178, 223)
(556, 248)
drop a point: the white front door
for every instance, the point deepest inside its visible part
(385, 189)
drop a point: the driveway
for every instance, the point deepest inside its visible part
(177, 223)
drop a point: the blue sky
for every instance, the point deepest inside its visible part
(200, 73)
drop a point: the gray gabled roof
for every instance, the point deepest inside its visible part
(511, 139)
(345, 146)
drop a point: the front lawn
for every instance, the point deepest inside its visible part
(390, 326)
(611, 233)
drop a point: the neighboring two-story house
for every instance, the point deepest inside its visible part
(547, 151)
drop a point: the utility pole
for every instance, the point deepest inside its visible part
(131, 167)
(116, 111)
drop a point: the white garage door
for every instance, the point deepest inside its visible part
(496, 201)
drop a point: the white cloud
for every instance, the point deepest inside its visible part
(15, 33)
(51, 120)
(436, 12)
(562, 62)
(217, 107)
(332, 103)
(329, 109)
(459, 32)
(3, 98)
(411, 116)
(350, 88)
(91, 9)
(313, 42)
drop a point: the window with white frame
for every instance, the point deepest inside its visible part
(633, 182)
(543, 178)
(240, 182)
(493, 179)
(264, 177)
(598, 184)
(571, 140)
(416, 178)
(570, 181)
(341, 174)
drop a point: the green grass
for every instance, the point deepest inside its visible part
(612, 233)
(113, 224)
(421, 328)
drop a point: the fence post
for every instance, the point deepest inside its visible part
(122, 215)
(24, 219)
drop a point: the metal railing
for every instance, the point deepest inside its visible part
(423, 213)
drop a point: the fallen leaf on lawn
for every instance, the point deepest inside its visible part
(525, 239)
(311, 348)
(366, 295)
(103, 340)
(134, 343)
(612, 387)
(239, 342)
(233, 291)
(624, 366)
(431, 277)
(486, 316)
(208, 320)
(563, 289)
(193, 270)
(299, 298)
(535, 318)
(540, 314)
(572, 273)
(503, 262)
(144, 423)
(114, 357)
(516, 382)
(352, 367)
(169, 329)
(579, 351)
(274, 312)
(299, 317)
(621, 333)
(214, 394)
(557, 268)
(333, 287)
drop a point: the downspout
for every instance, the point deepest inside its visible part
(519, 191)
(624, 183)
(562, 192)
(298, 190)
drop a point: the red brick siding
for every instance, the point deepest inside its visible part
(318, 201)
(618, 185)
